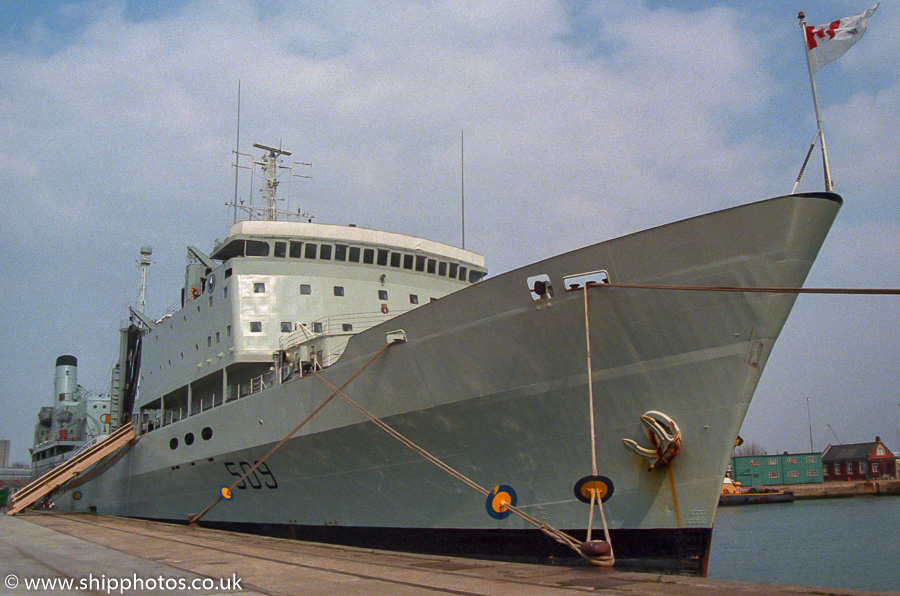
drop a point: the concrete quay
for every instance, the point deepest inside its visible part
(840, 489)
(99, 555)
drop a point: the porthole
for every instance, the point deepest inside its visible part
(173, 443)
(189, 439)
(206, 433)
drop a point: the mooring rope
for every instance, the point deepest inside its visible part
(547, 529)
(769, 290)
(193, 519)
(610, 560)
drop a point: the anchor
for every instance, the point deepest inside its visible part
(665, 436)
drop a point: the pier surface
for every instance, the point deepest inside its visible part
(100, 555)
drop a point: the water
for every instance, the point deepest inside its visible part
(836, 543)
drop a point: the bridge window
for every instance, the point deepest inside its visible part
(442, 269)
(280, 249)
(382, 257)
(325, 252)
(296, 250)
(454, 269)
(420, 263)
(310, 251)
(475, 276)
(257, 248)
(408, 261)
(396, 257)
(340, 252)
(354, 254)
(369, 256)
(462, 273)
(432, 266)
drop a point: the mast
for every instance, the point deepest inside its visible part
(812, 81)
(144, 262)
(237, 152)
(270, 167)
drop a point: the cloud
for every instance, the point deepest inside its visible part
(582, 122)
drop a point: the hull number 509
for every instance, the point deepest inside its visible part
(257, 479)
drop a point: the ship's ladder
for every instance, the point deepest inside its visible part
(63, 474)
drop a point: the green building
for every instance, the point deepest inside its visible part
(770, 470)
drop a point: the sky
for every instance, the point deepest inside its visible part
(583, 121)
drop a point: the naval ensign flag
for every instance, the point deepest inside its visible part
(827, 43)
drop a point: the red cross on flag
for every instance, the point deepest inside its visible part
(827, 43)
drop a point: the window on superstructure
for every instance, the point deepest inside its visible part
(382, 295)
(340, 252)
(420, 263)
(210, 301)
(317, 327)
(369, 256)
(382, 257)
(354, 254)
(347, 327)
(310, 251)
(454, 269)
(432, 266)
(228, 273)
(235, 248)
(225, 291)
(475, 276)
(413, 299)
(209, 341)
(228, 331)
(338, 290)
(218, 336)
(257, 248)
(396, 259)
(280, 249)
(305, 289)
(408, 261)
(462, 273)
(325, 252)
(259, 288)
(255, 326)
(286, 327)
(442, 269)
(296, 250)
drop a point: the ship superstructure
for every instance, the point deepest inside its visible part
(276, 297)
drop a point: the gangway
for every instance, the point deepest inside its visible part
(57, 477)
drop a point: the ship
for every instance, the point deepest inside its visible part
(76, 419)
(354, 386)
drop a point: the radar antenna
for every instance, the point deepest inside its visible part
(270, 164)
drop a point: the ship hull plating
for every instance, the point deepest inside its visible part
(494, 383)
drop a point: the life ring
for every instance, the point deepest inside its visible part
(384, 309)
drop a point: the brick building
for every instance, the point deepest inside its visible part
(859, 461)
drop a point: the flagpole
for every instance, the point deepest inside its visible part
(812, 82)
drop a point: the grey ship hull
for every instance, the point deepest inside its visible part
(495, 384)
